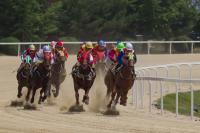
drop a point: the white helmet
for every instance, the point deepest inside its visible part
(129, 46)
(46, 48)
(32, 47)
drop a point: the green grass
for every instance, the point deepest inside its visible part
(183, 101)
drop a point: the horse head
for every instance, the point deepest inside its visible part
(27, 64)
(47, 61)
(60, 56)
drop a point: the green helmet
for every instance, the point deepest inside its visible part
(120, 46)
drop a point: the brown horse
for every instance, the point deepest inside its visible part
(23, 74)
(58, 72)
(120, 83)
(40, 78)
(83, 77)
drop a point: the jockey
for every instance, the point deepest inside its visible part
(129, 51)
(29, 51)
(113, 53)
(101, 47)
(59, 48)
(87, 49)
(40, 55)
(52, 44)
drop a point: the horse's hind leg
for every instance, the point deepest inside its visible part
(123, 100)
(117, 98)
(40, 99)
(33, 95)
(19, 91)
(86, 97)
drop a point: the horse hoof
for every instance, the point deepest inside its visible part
(111, 112)
(29, 107)
(19, 95)
(76, 108)
(16, 103)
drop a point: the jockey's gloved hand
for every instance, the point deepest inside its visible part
(78, 64)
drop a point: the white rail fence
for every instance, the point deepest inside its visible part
(163, 75)
(148, 44)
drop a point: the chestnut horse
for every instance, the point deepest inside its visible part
(58, 72)
(120, 83)
(40, 78)
(23, 74)
(83, 77)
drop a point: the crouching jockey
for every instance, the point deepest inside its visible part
(59, 49)
(101, 51)
(129, 52)
(114, 51)
(28, 52)
(87, 52)
(39, 57)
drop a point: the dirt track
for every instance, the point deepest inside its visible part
(50, 118)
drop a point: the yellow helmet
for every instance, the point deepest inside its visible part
(32, 47)
(88, 45)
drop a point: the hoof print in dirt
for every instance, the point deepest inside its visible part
(111, 112)
(16, 103)
(76, 108)
(30, 107)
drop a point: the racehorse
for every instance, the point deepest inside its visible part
(40, 78)
(58, 72)
(83, 78)
(23, 74)
(100, 66)
(120, 83)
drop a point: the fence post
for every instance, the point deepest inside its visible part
(192, 102)
(148, 47)
(161, 97)
(176, 99)
(192, 48)
(18, 50)
(150, 96)
(170, 48)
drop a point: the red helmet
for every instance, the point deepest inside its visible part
(59, 44)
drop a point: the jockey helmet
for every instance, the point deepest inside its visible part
(46, 48)
(59, 44)
(120, 46)
(101, 43)
(129, 46)
(32, 47)
(52, 44)
(88, 45)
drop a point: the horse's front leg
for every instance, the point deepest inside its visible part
(123, 100)
(112, 98)
(19, 94)
(57, 90)
(117, 98)
(86, 97)
(28, 94)
(33, 95)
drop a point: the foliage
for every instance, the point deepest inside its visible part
(9, 49)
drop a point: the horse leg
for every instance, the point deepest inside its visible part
(112, 98)
(28, 94)
(77, 96)
(33, 95)
(57, 90)
(117, 98)
(41, 92)
(123, 100)
(19, 91)
(86, 97)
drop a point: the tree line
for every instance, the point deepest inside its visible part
(78, 20)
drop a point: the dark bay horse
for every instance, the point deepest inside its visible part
(40, 78)
(83, 78)
(23, 74)
(58, 72)
(120, 83)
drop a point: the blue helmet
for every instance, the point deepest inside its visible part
(101, 43)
